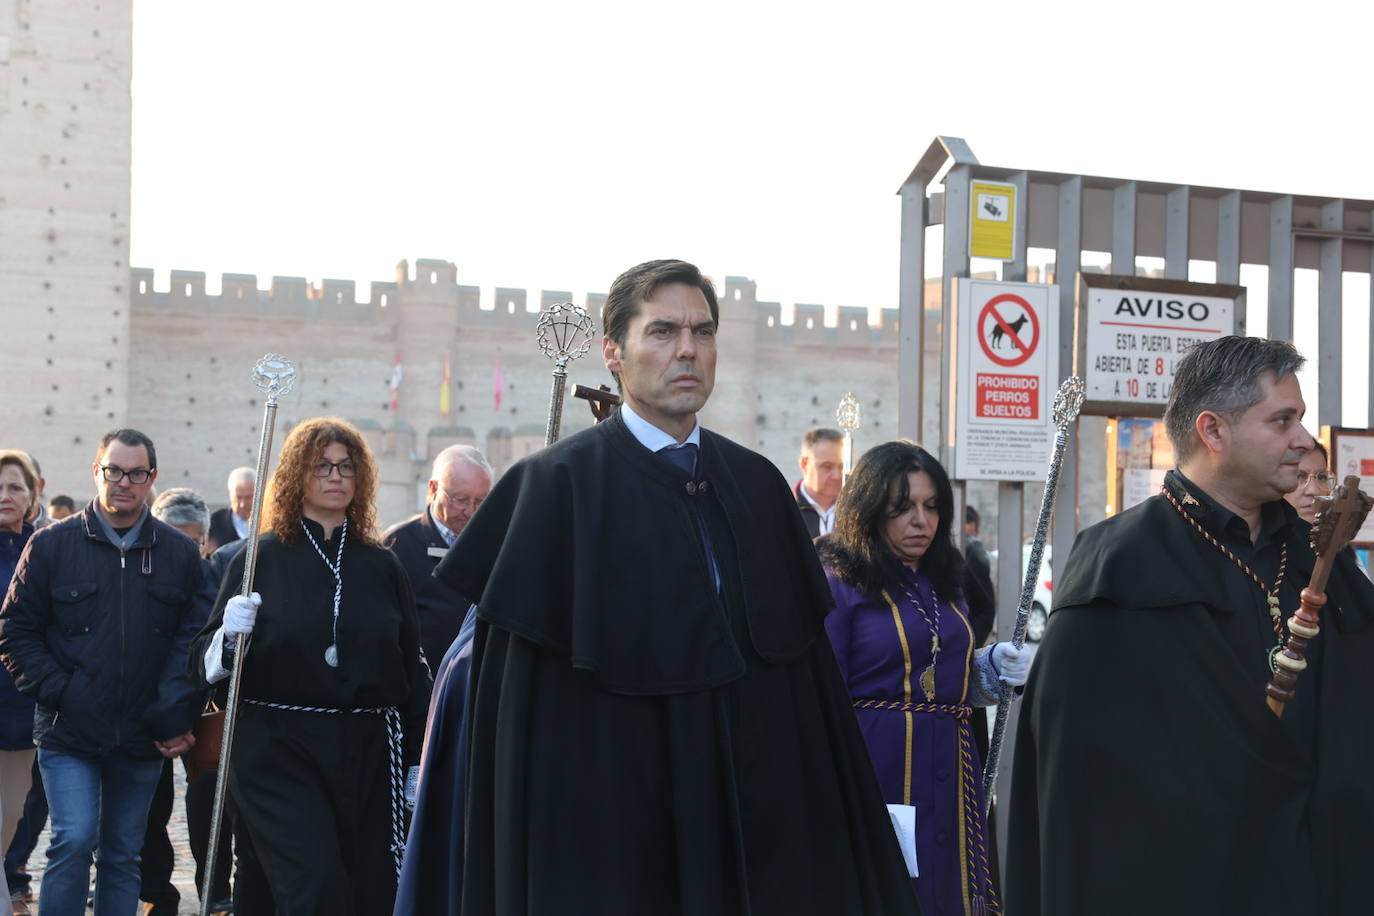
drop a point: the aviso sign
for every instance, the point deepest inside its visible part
(1130, 333)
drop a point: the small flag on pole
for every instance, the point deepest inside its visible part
(395, 383)
(443, 391)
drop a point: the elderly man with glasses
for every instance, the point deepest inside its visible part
(459, 481)
(97, 628)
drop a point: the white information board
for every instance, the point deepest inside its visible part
(1132, 331)
(1007, 346)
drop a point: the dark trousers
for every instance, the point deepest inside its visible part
(251, 894)
(26, 834)
(158, 859)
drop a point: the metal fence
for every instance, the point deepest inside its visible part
(1130, 219)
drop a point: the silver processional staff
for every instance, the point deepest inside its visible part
(565, 332)
(275, 376)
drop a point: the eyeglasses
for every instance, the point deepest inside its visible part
(137, 476)
(346, 468)
(465, 503)
(1320, 479)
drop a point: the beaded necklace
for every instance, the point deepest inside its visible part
(1271, 593)
(927, 679)
(331, 653)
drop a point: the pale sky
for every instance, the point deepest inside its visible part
(551, 145)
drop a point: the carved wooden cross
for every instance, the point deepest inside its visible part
(601, 400)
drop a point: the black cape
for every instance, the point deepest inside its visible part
(1151, 776)
(638, 744)
(436, 830)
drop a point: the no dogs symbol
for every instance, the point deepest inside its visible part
(1008, 330)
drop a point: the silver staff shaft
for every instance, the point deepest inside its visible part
(560, 381)
(1067, 403)
(250, 559)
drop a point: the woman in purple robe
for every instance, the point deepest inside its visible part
(902, 638)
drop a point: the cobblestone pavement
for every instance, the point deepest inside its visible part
(184, 871)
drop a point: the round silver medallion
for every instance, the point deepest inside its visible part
(331, 656)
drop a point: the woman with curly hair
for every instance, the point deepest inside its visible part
(334, 691)
(902, 637)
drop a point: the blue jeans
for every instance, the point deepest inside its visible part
(97, 805)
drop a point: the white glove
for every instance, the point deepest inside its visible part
(241, 613)
(1012, 664)
(412, 786)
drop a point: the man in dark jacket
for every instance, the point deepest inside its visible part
(458, 482)
(822, 466)
(1151, 775)
(96, 628)
(230, 524)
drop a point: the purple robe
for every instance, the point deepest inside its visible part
(922, 749)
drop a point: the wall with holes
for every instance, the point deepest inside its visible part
(64, 228)
(193, 350)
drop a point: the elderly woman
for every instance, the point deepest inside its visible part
(18, 509)
(1313, 480)
(334, 689)
(904, 644)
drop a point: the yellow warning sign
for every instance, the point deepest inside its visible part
(992, 220)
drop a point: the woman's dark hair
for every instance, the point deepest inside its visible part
(857, 550)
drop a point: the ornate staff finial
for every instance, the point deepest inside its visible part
(274, 375)
(1068, 401)
(565, 333)
(849, 415)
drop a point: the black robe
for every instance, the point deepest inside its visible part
(314, 789)
(638, 744)
(1150, 775)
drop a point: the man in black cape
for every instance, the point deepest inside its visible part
(656, 721)
(1151, 775)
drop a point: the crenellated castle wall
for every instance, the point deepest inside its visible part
(192, 351)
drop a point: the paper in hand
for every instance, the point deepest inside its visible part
(904, 824)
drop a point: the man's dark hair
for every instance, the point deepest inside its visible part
(821, 434)
(637, 285)
(130, 437)
(62, 501)
(1222, 376)
(857, 549)
(971, 516)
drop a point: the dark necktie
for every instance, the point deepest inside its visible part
(685, 458)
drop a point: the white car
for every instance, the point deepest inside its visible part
(1040, 599)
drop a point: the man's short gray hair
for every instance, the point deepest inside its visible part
(460, 453)
(1222, 376)
(181, 506)
(239, 475)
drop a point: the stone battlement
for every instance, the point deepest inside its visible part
(434, 283)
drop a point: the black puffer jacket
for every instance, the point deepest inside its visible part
(100, 638)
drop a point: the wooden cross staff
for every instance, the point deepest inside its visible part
(602, 400)
(1339, 520)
